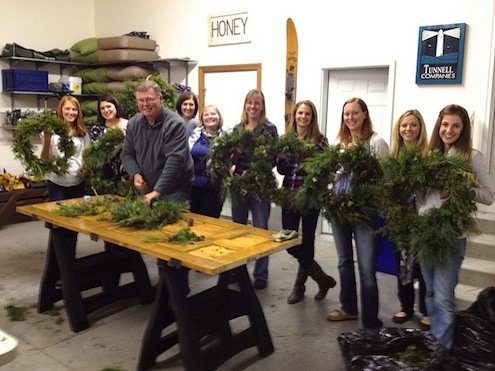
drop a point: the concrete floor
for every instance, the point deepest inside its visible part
(303, 339)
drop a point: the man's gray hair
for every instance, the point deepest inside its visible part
(148, 84)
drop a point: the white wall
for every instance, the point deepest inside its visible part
(339, 34)
(335, 34)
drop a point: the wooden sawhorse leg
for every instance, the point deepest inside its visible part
(66, 277)
(50, 291)
(202, 316)
(161, 317)
(131, 261)
(64, 244)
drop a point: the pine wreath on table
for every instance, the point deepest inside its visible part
(22, 145)
(259, 179)
(431, 237)
(102, 166)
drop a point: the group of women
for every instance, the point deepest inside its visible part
(451, 135)
(72, 184)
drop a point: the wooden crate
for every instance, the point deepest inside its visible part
(10, 200)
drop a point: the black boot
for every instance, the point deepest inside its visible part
(297, 293)
(324, 281)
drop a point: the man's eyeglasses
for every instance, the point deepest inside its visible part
(147, 100)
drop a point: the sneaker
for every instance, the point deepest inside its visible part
(260, 284)
(424, 323)
(340, 315)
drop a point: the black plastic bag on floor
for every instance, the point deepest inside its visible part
(474, 343)
(393, 349)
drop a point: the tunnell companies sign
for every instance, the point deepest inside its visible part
(440, 54)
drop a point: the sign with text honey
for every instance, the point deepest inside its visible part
(230, 28)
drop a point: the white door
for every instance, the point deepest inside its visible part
(369, 84)
(218, 91)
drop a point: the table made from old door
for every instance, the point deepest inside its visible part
(226, 249)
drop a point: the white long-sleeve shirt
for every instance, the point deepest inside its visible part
(71, 178)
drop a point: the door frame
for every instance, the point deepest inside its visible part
(202, 70)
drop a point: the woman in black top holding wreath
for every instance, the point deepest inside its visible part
(109, 118)
(304, 123)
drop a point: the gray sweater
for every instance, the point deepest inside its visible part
(160, 152)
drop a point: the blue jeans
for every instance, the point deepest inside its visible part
(440, 295)
(366, 252)
(260, 211)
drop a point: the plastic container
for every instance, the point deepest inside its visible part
(71, 83)
(25, 80)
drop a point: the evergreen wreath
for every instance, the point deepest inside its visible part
(431, 238)
(360, 202)
(294, 150)
(259, 179)
(130, 211)
(133, 212)
(97, 161)
(23, 148)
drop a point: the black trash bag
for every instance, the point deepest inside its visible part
(474, 342)
(393, 349)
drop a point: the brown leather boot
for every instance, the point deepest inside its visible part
(297, 293)
(324, 281)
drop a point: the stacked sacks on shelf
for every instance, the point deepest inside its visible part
(109, 50)
(114, 49)
(112, 79)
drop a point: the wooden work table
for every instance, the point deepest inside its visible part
(226, 249)
(227, 245)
